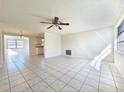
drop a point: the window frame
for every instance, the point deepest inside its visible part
(16, 43)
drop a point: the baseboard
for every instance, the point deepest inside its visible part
(78, 57)
(108, 61)
(53, 56)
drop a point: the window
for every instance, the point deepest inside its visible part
(11, 43)
(20, 43)
(15, 43)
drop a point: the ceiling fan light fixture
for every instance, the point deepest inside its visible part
(21, 35)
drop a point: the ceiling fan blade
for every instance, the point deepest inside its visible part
(50, 27)
(64, 24)
(41, 17)
(46, 22)
(59, 27)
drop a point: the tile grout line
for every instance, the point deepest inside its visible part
(23, 77)
(113, 78)
(54, 81)
(60, 80)
(67, 84)
(85, 77)
(63, 74)
(73, 75)
(41, 79)
(45, 81)
(70, 80)
(99, 79)
(6, 63)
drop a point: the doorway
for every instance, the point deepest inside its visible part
(15, 46)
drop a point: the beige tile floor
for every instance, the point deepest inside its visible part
(58, 74)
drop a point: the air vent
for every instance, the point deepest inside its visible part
(68, 52)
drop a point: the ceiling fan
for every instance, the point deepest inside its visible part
(55, 22)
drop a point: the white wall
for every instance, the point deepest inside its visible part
(119, 62)
(88, 45)
(0, 49)
(118, 57)
(52, 45)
